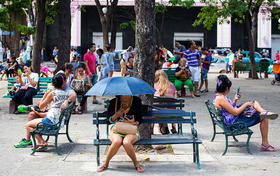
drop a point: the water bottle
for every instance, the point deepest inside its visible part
(24, 108)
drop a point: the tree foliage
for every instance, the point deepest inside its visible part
(220, 11)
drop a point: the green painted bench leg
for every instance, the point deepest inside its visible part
(107, 130)
(56, 147)
(47, 139)
(248, 142)
(67, 134)
(194, 153)
(214, 133)
(197, 156)
(34, 144)
(181, 129)
(97, 155)
(226, 145)
(235, 139)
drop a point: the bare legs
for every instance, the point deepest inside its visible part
(30, 126)
(127, 143)
(263, 126)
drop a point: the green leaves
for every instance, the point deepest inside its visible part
(125, 25)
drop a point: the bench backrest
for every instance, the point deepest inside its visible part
(241, 66)
(161, 102)
(66, 114)
(215, 114)
(42, 85)
(171, 75)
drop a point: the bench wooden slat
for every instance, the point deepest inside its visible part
(154, 120)
(154, 141)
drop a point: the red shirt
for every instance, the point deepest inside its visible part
(277, 56)
(91, 61)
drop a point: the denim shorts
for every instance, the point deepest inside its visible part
(250, 121)
(204, 74)
(46, 121)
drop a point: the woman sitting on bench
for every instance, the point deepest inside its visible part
(250, 112)
(183, 76)
(123, 108)
(57, 100)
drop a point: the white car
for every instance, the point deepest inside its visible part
(218, 64)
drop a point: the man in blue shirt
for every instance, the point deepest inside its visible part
(193, 57)
(178, 52)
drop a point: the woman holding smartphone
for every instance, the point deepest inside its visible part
(250, 112)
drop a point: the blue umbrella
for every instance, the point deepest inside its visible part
(121, 86)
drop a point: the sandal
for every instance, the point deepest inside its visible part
(41, 149)
(173, 131)
(139, 168)
(266, 148)
(101, 168)
(80, 111)
(269, 115)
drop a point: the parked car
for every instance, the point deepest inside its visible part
(218, 64)
(258, 57)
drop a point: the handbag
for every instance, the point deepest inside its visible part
(78, 85)
(125, 128)
(122, 126)
(249, 111)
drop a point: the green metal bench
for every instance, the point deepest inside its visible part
(159, 115)
(241, 66)
(233, 130)
(53, 129)
(42, 88)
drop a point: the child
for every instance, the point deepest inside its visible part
(16, 86)
(45, 71)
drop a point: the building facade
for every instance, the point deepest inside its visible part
(177, 26)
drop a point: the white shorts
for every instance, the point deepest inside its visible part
(195, 74)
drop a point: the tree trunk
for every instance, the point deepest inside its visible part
(145, 51)
(64, 15)
(113, 29)
(38, 41)
(251, 24)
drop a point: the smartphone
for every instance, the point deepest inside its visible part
(238, 91)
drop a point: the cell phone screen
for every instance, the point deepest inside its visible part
(238, 91)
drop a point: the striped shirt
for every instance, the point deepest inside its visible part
(192, 57)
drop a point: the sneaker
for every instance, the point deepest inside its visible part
(23, 143)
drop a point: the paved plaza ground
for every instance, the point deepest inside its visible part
(80, 158)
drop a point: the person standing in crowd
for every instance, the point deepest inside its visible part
(227, 60)
(76, 62)
(111, 56)
(231, 58)
(7, 55)
(102, 64)
(126, 53)
(178, 52)
(193, 57)
(90, 62)
(123, 65)
(277, 56)
(205, 68)
(28, 88)
(54, 54)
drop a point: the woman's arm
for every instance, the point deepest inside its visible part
(13, 66)
(46, 101)
(88, 81)
(33, 83)
(221, 102)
